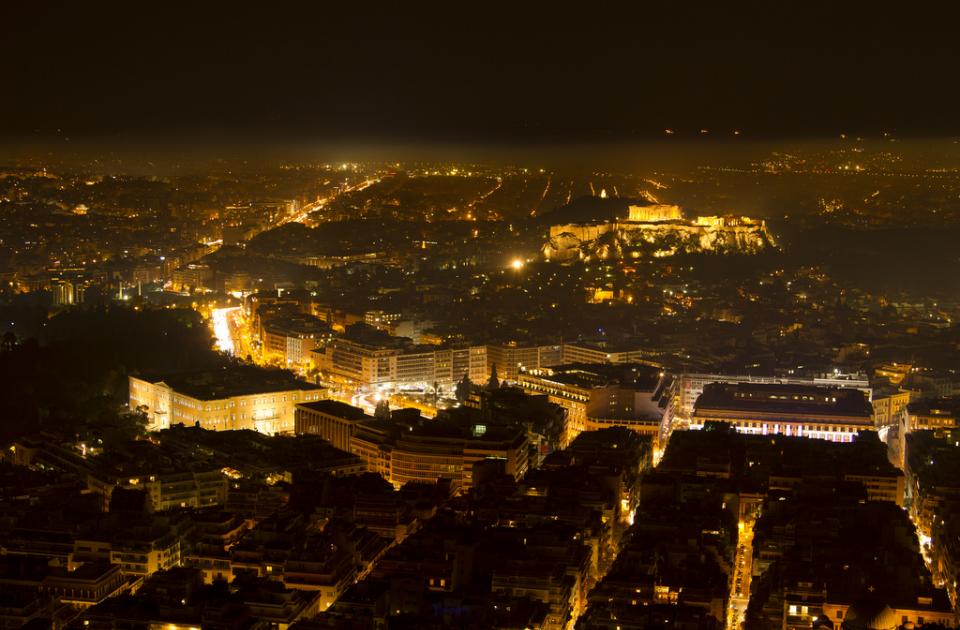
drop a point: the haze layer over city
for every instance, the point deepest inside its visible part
(479, 316)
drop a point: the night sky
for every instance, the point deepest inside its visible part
(476, 72)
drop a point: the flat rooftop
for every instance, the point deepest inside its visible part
(603, 345)
(784, 399)
(292, 325)
(947, 407)
(336, 408)
(631, 375)
(369, 336)
(238, 380)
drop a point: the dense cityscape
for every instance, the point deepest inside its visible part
(598, 367)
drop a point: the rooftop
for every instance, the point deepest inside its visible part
(299, 324)
(756, 457)
(948, 407)
(367, 335)
(778, 398)
(232, 381)
(336, 408)
(587, 375)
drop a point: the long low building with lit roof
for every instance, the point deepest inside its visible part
(827, 413)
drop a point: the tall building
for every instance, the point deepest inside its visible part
(239, 397)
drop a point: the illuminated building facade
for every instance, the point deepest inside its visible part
(887, 407)
(511, 358)
(372, 442)
(931, 415)
(929, 609)
(381, 320)
(655, 213)
(63, 293)
(172, 490)
(437, 450)
(590, 353)
(686, 388)
(370, 357)
(241, 397)
(824, 413)
(938, 415)
(423, 457)
(894, 372)
(86, 585)
(332, 420)
(137, 551)
(597, 396)
(192, 276)
(292, 339)
(366, 357)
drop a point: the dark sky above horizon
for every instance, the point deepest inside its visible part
(477, 71)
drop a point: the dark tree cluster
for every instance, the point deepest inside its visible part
(74, 378)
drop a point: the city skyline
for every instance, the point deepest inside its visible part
(480, 316)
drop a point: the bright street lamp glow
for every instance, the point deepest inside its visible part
(517, 264)
(221, 329)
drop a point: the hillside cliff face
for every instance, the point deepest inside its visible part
(640, 239)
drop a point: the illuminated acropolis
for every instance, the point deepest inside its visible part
(656, 230)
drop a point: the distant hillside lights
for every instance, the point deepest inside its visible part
(656, 230)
